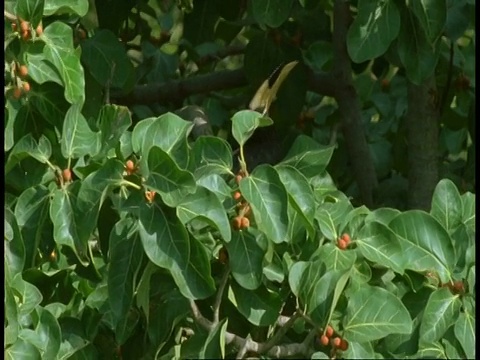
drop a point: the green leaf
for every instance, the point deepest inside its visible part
(31, 213)
(30, 10)
(326, 224)
(300, 195)
(373, 313)
(214, 345)
(80, 7)
(260, 307)
(335, 258)
(22, 349)
(246, 253)
(465, 333)
(125, 253)
(114, 121)
(67, 224)
(416, 53)
(106, 59)
(426, 244)
(376, 25)
(28, 296)
(204, 204)
(165, 177)
(308, 157)
(468, 213)
(267, 197)
(447, 205)
(244, 124)
(167, 132)
(14, 248)
(48, 332)
(28, 146)
(77, 138)
(13, 108)
(59, 51)
(11, 326)
(272, 13)
(40, 70)
(432, 17)
(380, 245)
(440, 313)
(211, 155)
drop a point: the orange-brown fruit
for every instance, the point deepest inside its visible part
(342, 245)
(336, 342)
(130, 167)
(24, 26)
(39, 29)
(385, 85)
(22, 70)
(245, 223)
(238, 178)
(346, 237)
(150, 196)
(329, 331)
(458, 287)
(237, 222)
(237, 195)
(17, 93)
(324, 340)
(343, 345)
(26, 86)
(26, 35)
(67, 175)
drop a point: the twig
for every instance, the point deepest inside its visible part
(218, 299)
(281, 332)
(243, 349)
(9, 16)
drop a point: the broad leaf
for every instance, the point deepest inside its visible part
(244, 124)
(447, 205)
(272, 13)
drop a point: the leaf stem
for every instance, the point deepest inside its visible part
(124, 182)
(218, 299)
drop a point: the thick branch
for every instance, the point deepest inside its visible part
(349, 106)
(304, 349)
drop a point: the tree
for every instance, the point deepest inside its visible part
(150, 214)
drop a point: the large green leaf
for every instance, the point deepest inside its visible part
(22, 349)
(308, 157)
(300, 195)
(14, 246)
(246, 252)
(272, 13)
(114, 121)
(440, 313)
(335, 258)
(432, 16)
(204, 204)
(376, 25)
(244, 124)
(465, 333)
(416, 53)
(28, 146)
(77, 138)
(27, 294)
(125, 255)
(447, 205)
(380, 245)
(426, 244)
(268, 199)
(373, 313)
(40, 70)
(211, 155)
(106, 59)
(169, 132)
(60, 52)
(31, 213)
(260, 307)
(30, 10)
(48, 333)
(165, 177)
(80, 7)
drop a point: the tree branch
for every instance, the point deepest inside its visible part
(349, 106)
(218, 299)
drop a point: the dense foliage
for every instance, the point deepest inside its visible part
(150, 215)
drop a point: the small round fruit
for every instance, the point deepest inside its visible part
(329, 331)
(26, 86)
(458, 287)
(22, 71)
(24, 25)
(245, 223)
(237, 195)
(336, 342)
(39, 30)
(26, 35)
(17, 93)
(343, 345)
(130, 167)
(237, 223)
(150, 195)
(238, 178)
(347, 238)
(67, 175)
(342, 244)
(324, 340)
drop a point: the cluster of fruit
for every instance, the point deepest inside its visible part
(343, 241)
(241, 221)
(130, 169)
(336, 342)
(22, 86)
(26, 29)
